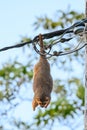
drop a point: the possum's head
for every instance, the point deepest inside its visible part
(42, 102)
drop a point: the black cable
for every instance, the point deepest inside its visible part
(56, 33)
(15, 46)
(60, 53)
(60, 32)
(47, 35)
(72, 51)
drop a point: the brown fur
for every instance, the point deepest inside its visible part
(43, 83)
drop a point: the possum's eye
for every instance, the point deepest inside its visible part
(43, 103)
(47, 99)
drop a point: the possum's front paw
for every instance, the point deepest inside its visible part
(34, 104)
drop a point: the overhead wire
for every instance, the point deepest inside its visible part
(59, 33)
(72, 51)
(68, 30)
(61, 39)
(15, 46)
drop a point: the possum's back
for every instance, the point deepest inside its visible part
(42, 78)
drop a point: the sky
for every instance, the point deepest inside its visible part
(17, 18)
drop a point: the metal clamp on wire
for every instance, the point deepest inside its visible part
(79, 29)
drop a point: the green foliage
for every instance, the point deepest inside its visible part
(62, 19)
(47, 23)
(15, 70)
(59, 88)
(64, 105)
(80, 93)
(59, 108)
(14, 75)
(1, 95)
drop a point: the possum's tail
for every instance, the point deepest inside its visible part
(42, 52)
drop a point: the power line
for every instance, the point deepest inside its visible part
(58, 33)
(15, 46)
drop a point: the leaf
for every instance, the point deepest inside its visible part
(80, 93)
(1, 95)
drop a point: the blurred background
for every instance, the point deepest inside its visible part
(21, 21)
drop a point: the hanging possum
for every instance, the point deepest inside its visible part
(42, 81)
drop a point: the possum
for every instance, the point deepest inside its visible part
(42, 81)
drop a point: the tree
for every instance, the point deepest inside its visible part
(68, 92)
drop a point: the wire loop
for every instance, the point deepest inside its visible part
(61, 39)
